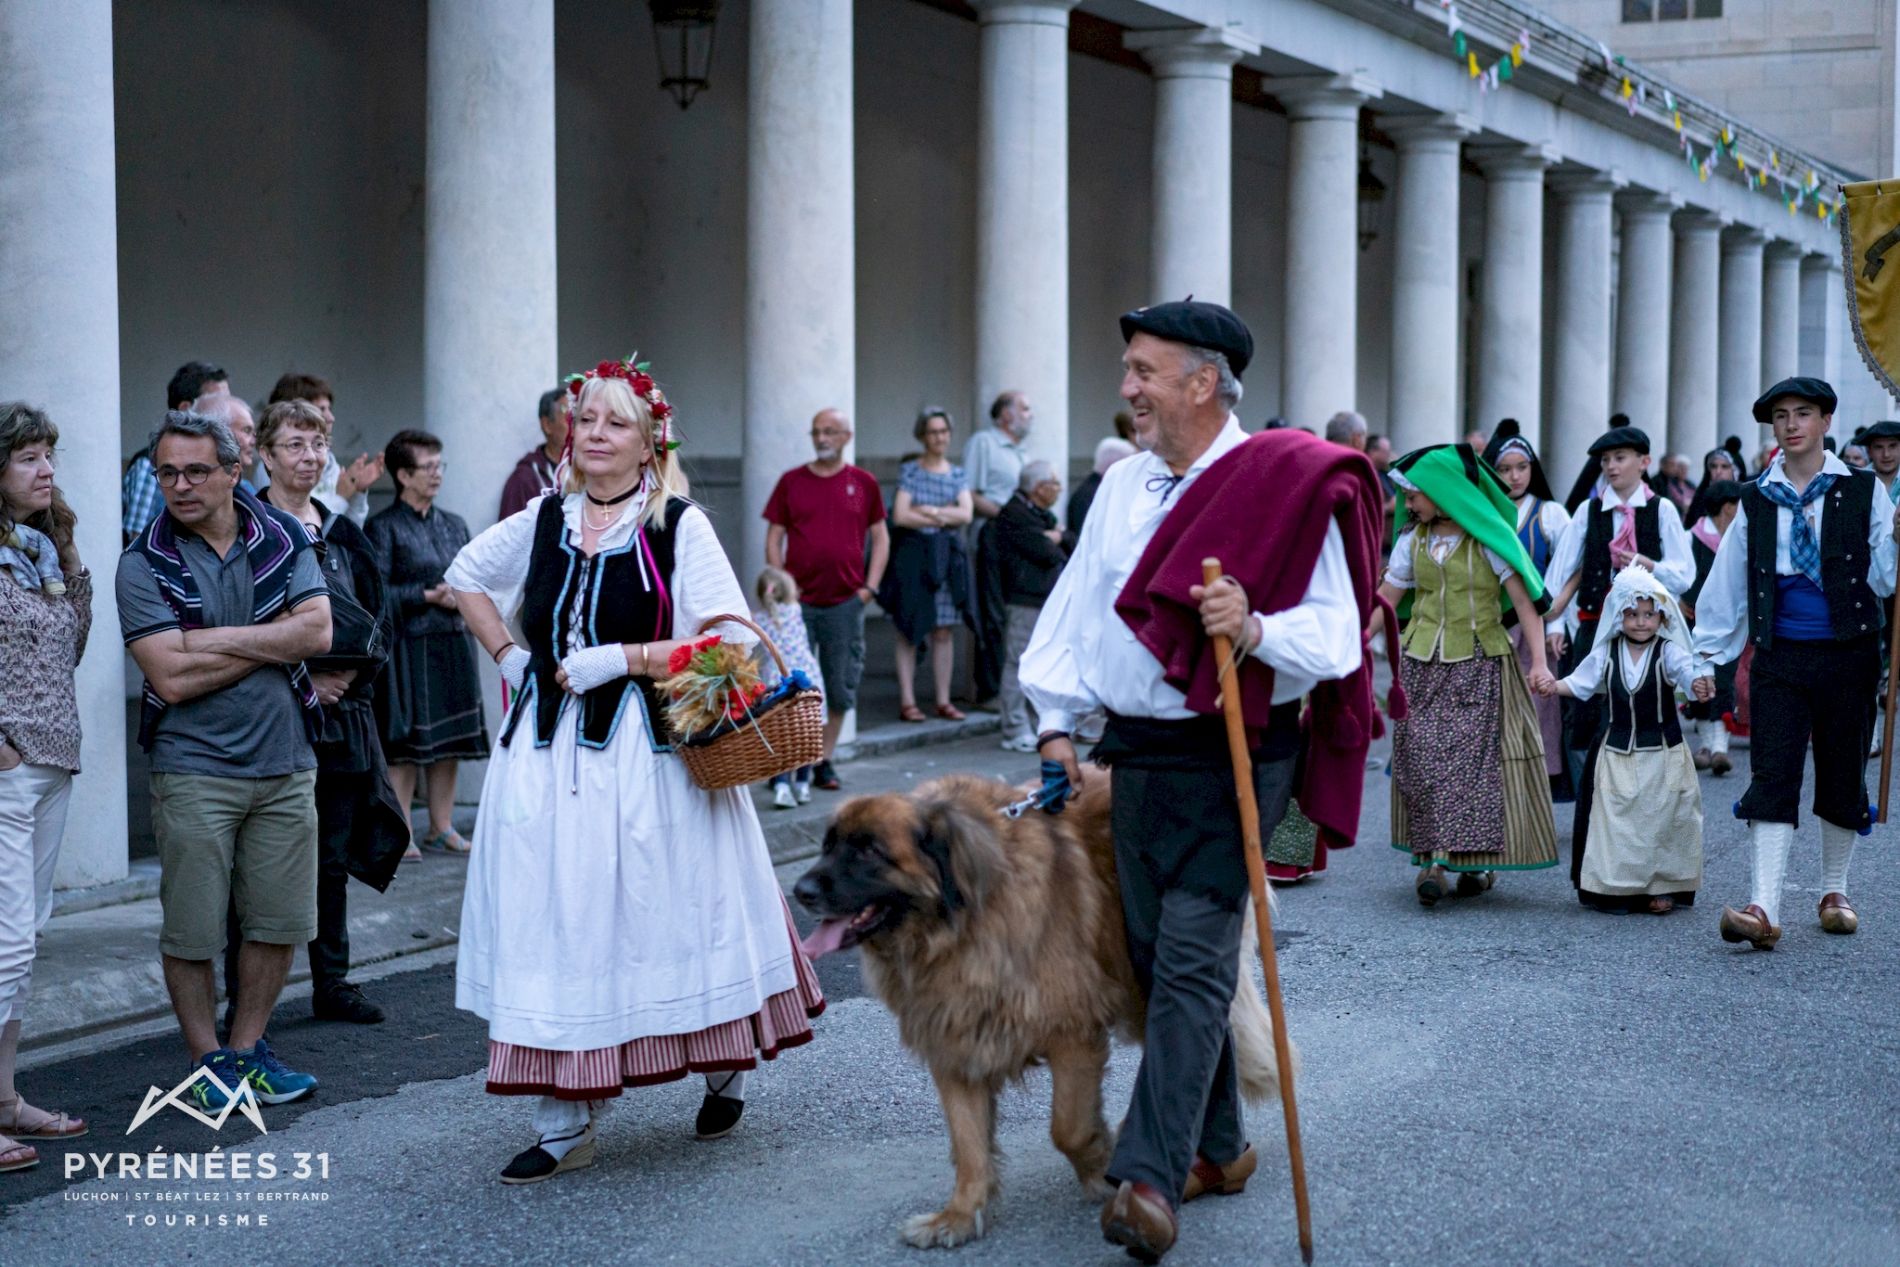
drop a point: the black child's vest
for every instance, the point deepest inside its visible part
(1596, 549)
(1645, 717)
(613, 605)
(1852, 609)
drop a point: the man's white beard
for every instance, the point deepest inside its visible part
(826, 455)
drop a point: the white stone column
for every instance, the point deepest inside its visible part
(1319, 367)
(1825, 338)
(801, 244)
(1580, 355)
(1022, 214)
(1694, 304)
(1824, 302)
(1426, 275)
(1644, 283)
(1780, 311)
(1193, 159)
(488, 282)
(59, 349)
(1738, 354)
(1511, 290)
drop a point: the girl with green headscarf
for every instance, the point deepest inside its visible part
(1469, 793)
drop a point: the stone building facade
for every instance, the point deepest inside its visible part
(441, 205)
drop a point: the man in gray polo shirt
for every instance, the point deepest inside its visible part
(221, 599)
(993, 460)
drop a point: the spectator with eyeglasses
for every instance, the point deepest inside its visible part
(361, 830)
(221, 600)
(139, 498)
(431, 708)
(343, 489)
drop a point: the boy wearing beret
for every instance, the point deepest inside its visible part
(1801, 574)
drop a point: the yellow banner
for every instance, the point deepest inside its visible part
(1870, 246)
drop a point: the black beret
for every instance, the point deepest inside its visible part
(1721, 493)
(1207, 326)
(1621, 438)
(1810, 389)
(1886, 429)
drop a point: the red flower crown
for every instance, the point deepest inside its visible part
(635, 375)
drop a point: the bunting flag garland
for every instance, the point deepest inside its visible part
(1635, 94)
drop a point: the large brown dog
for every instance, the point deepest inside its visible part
(998, 943)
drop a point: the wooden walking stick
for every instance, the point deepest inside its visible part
(1886, 736)
(1257, 881)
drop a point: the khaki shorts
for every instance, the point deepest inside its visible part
(254, 840)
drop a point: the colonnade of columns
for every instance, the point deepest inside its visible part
(1704, 310)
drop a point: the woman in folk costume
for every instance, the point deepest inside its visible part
(1469, 791)
(1639, 811)
(621, 926)
(1719, 501)
(1541, 520)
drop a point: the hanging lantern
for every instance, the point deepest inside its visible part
(683, 33)
(1371, 194)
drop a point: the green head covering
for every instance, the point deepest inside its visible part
(1469, 491)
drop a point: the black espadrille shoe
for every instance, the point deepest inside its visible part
(718, 1116)
(535, 1164)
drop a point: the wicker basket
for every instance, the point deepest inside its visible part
(779, 740)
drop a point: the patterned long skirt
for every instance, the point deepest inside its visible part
(1469, 789)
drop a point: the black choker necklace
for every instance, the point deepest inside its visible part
(613, 501)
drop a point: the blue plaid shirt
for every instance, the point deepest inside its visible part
(139, 498)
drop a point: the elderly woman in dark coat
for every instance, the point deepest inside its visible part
(361, 830)
(431, 710)
(927, 586)
(1031, 551)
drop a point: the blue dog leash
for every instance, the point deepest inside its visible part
(1050, 798)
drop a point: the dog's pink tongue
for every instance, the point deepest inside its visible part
(827, 937)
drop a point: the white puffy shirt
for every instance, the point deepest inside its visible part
(1084, 656)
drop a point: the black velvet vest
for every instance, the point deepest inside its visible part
(614, 606)
(1596, 549)
(1852, 608)
(1645, 717)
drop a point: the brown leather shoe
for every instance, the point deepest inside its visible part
(1223, 1181)
(1837, 916)
(1750, 924)
(1139, 1219)
(1719, 764)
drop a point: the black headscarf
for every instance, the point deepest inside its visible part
(1509, 436)
(1700, 506)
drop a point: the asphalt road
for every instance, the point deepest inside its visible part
(1504, 1079)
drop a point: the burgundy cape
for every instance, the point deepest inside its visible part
(1262, 511)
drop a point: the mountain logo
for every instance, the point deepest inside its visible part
(244, 1100)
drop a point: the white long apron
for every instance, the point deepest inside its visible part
(631, 902)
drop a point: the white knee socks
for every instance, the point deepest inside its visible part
(731, 1085)
(1837, 850)
(1772, 842)
(1716, 734)
(564, 1125)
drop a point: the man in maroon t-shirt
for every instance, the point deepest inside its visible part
(821, 515)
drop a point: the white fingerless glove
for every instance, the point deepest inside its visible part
(595, 666)
(514, 667)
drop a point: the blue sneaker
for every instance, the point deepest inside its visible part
(205, 1096)
(274, 1082)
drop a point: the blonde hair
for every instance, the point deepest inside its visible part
(664, 478)
(776, 586)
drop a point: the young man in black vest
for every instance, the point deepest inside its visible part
(1801, 573)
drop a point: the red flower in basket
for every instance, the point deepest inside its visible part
(681, 657)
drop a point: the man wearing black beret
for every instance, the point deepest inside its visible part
(1882, 442)
(1802, 574)
(1127, 629)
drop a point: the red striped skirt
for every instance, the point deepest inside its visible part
(784, 1021)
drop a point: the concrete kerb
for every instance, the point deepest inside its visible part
(100, 975)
